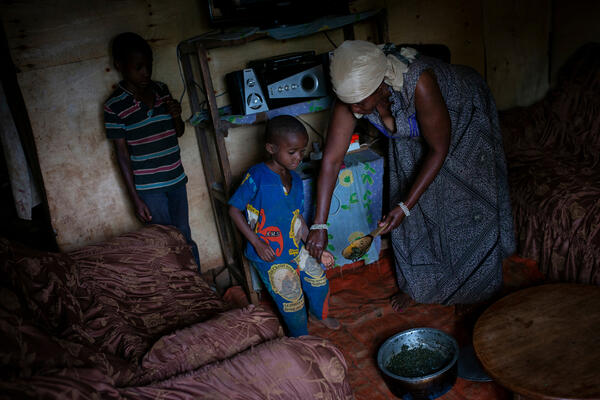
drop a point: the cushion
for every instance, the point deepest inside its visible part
(146, 285)
(280, 369)
(216, 339)
(68, 383)
(46, 283)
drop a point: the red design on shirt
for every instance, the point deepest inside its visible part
(270, 233)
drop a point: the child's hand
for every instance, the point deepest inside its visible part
(142, 211)
(173, 107)
(327, 259)
(264, 251)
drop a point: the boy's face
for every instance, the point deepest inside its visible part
(136, 70)
(289, 150)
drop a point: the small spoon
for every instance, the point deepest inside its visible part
(360, 246)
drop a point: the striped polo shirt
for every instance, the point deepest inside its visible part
(151, 138)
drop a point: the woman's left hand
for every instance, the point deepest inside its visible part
(392, 220)
(435, 125)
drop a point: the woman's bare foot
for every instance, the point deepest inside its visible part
(329, 322)
(401, 301)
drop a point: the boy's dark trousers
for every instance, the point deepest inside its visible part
(287, 286)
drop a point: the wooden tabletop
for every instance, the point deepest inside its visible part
(543, 342)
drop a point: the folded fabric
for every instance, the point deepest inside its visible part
(281, 369)
(216, 339)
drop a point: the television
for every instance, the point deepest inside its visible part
(267, 14)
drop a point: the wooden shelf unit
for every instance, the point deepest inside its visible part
(211, 143)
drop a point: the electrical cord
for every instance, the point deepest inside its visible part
(180, 72)
(330, 41)
(202, 104)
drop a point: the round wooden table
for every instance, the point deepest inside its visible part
(543, 342)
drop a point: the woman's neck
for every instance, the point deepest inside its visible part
(384, 108)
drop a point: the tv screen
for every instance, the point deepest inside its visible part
(271, 13)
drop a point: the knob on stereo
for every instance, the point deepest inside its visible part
(255, 101)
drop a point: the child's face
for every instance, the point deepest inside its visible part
(137, 70)
(289, 150)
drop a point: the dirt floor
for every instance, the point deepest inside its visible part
(359, 299)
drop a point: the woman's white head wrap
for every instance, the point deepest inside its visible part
(358, 68)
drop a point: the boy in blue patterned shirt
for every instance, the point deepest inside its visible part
(144, 122)
(272, 198)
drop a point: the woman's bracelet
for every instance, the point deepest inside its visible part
(405, 209)
(318, 226)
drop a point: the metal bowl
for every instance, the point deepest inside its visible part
(423, 387)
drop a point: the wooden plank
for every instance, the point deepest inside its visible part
(224, 227)
(206, 153)
(458, 25)
(209, 44)
(348, 32)
(43, 34)
(252, 293)
(516, 41)
(383, 32)
(195, 103)
(220, 131)
(86, 199)
(218, 197)
(575, 22)
(219, 194)
(305, 107)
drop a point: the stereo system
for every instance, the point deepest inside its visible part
(278, 81)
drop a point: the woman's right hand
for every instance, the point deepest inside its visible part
(339, 133)
(264, 251)
(316, 242)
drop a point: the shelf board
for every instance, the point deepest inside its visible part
(306, 107)
(240, 35)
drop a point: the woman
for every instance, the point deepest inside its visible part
(450, 219)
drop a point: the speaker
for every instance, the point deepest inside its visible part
(304, 84)
(245, 92)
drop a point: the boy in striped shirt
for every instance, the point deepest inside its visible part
(144, 122)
